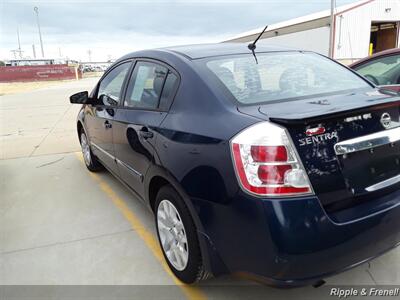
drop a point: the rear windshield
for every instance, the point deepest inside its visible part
(282, 75)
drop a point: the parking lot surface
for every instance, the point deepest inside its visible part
(62, 225)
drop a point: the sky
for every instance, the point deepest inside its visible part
(101, 30)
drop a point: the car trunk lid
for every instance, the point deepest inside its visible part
(324, 130)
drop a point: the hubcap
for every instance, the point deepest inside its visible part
(85, 149)
(172, 235)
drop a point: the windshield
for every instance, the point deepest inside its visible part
(282, 75)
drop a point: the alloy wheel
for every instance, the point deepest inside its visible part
(172, 235)
(85, 149)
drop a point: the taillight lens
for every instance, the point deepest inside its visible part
(273, 174)
(269, 153)
(266, 162)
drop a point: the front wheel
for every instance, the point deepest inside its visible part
(91, 161)
(177, 235)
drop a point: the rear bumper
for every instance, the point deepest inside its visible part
(314, 246)
(316, 280)
(294, 242)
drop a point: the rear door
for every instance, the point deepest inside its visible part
(100, 118)
(145, 104)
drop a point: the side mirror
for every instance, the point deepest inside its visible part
(80, 98)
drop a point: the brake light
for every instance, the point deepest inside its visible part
(269, 153)
(266, 162)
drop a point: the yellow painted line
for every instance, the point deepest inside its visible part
(191, 292)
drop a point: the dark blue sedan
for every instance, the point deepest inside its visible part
(282, 165)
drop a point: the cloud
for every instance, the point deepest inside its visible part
(116, 27)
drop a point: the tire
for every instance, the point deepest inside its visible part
(191, 271)
(91, 161)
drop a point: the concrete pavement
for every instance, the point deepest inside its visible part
(40, 122)
(59, 225)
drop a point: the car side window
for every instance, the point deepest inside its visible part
(382, 71)
(168, 91)
(110, 87)
(145, 86)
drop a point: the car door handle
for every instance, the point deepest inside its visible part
(145, 133)
(107, 125)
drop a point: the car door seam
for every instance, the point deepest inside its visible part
(120, 162)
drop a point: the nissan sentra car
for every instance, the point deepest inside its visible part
(280, 165)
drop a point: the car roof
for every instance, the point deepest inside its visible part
(208, 50)
(393, 51)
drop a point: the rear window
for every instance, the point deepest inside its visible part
(282, 75)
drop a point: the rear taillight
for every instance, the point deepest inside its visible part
(267, 163)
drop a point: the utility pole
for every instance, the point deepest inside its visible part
(34, 50)
(36, 9)
(19, 44)
(332, 28)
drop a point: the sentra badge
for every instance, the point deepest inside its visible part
(318, 139)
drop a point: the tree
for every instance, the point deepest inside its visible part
(2, 64)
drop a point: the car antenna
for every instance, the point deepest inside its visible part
(252, 46)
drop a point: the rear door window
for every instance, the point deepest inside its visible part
(168, 91)
(145, 86)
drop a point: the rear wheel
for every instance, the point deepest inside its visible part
(91, 161)
(177, 235)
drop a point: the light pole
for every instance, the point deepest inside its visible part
(36, 9)
(332, 30)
